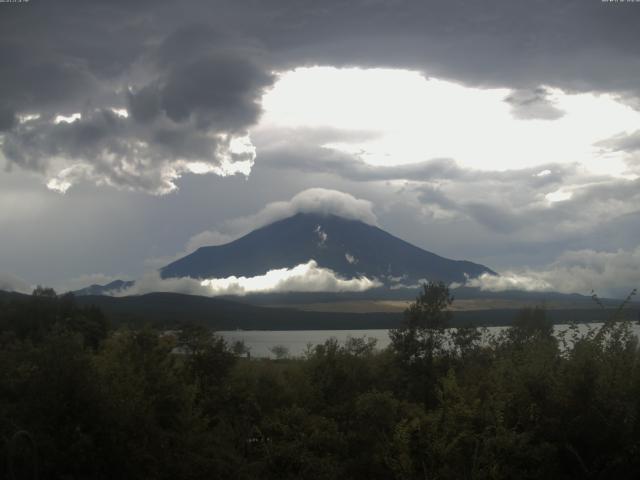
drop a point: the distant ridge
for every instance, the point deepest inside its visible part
(350, 248)
(108, 289)
(171, 310)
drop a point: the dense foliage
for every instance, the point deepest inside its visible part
(79, 401)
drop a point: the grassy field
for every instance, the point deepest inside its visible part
(461, 305)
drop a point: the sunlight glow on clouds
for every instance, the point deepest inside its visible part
(558, 196)
(237, 158)
(58, 185)
(70, 119)
(420, 118)
(121, 112)
(306, 277)
(233, 155)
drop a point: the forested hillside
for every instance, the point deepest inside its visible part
(79, 399)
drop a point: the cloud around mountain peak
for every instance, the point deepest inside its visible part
(321, 201)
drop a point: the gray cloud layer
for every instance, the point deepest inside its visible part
(12, 283)
(192, 74)
(614, 273)
(188, 96)
(533, 104)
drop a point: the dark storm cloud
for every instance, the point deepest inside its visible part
(33, 79)
(202, 74)
(196, 39)
(7, 118)
(188, 89)
(215, 91)
(204, 65)
(575, 44)
(114, 150)
(145, 104)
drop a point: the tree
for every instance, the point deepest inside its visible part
(45, 292)
(279, 351)
(425, 320)
(240, 349)
(207, 357)
(420, 338)
(531, 324)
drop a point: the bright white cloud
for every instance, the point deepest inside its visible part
(527, 281)
(314, 200)
(319, 200)
(578, 271)
(232, 156)
(66, 177)
(121, 112)
(70, 119)
(306, 277)
(558, 196)
(420, 118)
(236, 156)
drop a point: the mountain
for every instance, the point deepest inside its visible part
(107, 289)
(348, 247)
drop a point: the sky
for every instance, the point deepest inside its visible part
(502, 132)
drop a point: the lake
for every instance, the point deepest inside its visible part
(296, 341)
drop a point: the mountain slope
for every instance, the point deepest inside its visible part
(107, 289)
(348, 247)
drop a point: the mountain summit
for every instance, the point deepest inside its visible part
(350, 248)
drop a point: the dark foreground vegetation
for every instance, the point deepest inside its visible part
(81, 401)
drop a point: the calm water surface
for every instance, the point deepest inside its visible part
(296, 342)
